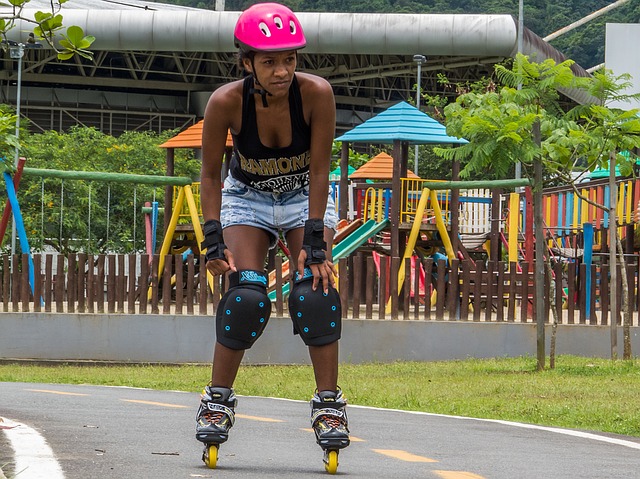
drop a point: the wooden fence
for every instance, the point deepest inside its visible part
(491, 292)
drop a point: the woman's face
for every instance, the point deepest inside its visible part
(274, 70)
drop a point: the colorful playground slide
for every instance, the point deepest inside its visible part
(343, 248)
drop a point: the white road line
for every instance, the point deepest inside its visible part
(34, 458)
(554, 430)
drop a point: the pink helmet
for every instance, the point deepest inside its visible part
(268, 27)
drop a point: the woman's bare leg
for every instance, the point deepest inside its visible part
(249, 246)
(323, 358)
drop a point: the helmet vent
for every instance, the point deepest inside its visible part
(264, 29)
(292, 27)
(278, 22)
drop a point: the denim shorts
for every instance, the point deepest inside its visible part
(272, 212)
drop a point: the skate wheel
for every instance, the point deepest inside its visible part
(331, 461)
(211, 455)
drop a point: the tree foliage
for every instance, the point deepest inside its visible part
(48, 27)
(91, 216)
(498, 123)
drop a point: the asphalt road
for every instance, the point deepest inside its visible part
(112, 432)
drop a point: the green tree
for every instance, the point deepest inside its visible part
(48, 27)
(93, 216)
(501, 126)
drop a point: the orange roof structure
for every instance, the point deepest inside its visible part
(380, 167)
(191, 138)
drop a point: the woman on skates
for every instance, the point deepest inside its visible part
(283, 125)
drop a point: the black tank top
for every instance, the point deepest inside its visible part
(276, 170)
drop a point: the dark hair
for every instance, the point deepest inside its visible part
(241, 56)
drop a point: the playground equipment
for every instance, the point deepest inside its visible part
(347, 246)
(14, 207)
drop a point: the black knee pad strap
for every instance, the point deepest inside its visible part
(317, 317)
(244, 310)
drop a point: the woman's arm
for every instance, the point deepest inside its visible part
(321, 110)
(219, 117)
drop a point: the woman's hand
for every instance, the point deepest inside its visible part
(324, 272)
(220, 266)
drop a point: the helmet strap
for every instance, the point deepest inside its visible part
(260, 91)
(263, 94)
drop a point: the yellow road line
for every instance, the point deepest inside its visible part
(153, 403)
(351, 438)
(62, 393)
(457, 475)
(258, 418)
(403, 455)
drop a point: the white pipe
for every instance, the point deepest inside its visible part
(584, 20)
(348, 33)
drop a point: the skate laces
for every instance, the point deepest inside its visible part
(213, 417)
(331, 421)
(333, 418)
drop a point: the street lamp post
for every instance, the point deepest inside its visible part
(16, 52)
(419, 59)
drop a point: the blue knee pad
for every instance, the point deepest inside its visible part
(317, 317)
(244, 310)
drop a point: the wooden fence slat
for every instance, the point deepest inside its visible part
(393, 286)
(489, 290)
(37, 286)
(81, 282)
(477, 291)
(592, 296)
(155, 309)
(60, 286)
(582, 305)
(524, 295)
(511, 309)
(166, 284)
(279, 285)
(416, 288)
(6, 281)
(406, 297)
(604, 295)
(91, 284)
(143, 284)
(358, 282)
(370, 281)
(465, 279)
(190, 293)
(500, 278)
(15, 283)
(111, 284)
(453, 296)
(571, 293)
(25, 287)
(72, 285)
(557, 270)
(382, 288)
(203, 306)
(440, 288)
(428, 270)
(121, 284)
(131, 284)
(48, 281)
(179, 286)
(343, 286)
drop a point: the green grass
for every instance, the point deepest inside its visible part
(582, 393)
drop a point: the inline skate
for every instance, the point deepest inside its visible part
(215, 417)
(330, 424)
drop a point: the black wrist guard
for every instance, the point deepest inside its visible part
(313, 242)
(213, 240)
